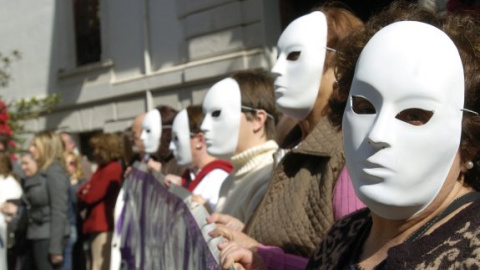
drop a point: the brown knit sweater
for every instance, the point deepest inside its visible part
(453, 245)
(296, 211)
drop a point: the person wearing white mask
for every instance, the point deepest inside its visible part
(304, 197)
(411, 131)
(205, 173)
(151, 131)
(239, 125)
(156, 136)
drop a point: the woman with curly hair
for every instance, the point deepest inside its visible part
(99, 196)
(409, 110)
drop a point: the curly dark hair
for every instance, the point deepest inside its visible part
(464, 32)
(107, 147)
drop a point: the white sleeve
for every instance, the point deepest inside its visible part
(14, 190)
(209, 188)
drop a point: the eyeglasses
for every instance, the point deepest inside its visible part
(250, 109)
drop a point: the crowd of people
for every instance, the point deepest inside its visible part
(379, 170)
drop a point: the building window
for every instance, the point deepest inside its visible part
(87, 31)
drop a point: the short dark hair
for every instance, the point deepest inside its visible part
(195, 118)
(167, 114)
(256, 87)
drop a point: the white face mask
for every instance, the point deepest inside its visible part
(402, 123)
(180, 144)
(151, 131)
(221, 125)
(299, 67)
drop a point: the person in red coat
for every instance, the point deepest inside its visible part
(99, 196)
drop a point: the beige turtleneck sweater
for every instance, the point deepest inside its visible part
(244, 188)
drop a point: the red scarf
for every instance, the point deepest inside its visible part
(216, 164)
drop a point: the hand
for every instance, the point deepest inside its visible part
(172, 179)
(86, 189)
(127, 172)
(9, 210)
(226, 220)
(56, 259)
(198, 199)
(238, 237)
(83, 214)
(153, 165)
(238, 257)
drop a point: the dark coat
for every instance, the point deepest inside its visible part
(46, 195)
(453, 245)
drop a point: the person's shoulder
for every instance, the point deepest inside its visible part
(55, 168)
(12, 180)
(113, 167)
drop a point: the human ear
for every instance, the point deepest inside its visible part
(201, 138)
(259, 120)
(198, 141)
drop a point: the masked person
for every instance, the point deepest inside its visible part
(205, 173)
(305, 194)
(156, 136)
(239, 126)
(411, 135)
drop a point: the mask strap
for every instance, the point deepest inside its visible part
(330, 49)
(167, 127)
(255, 110)
(470, 111)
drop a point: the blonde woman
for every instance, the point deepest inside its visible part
(74, 251)
(46, 195)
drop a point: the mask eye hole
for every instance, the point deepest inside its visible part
(415, 116)
(175, 138)
(361, 105)
(216, 113)
(293, 56)
(147, 130)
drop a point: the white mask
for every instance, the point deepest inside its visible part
(180, 144)
(221, 125)
(298, 81)
(151, 131)
(397, 167)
